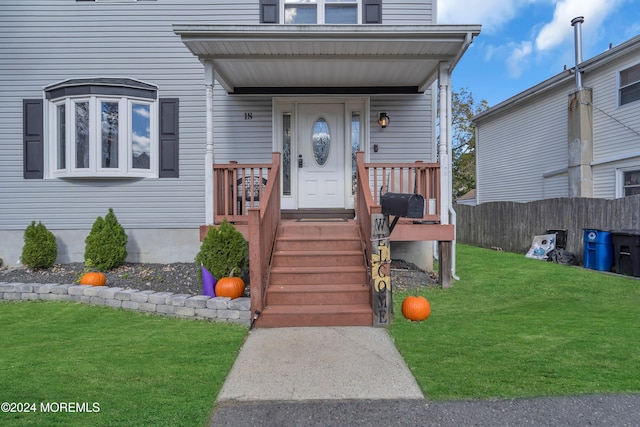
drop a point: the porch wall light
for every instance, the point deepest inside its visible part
(383, 120)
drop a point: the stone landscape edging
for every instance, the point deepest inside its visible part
(164, 303)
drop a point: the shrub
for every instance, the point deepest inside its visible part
(223, 249)
(106, 244)
(40, 249)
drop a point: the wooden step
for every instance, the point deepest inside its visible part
(326, 294)
(317, 275)
(317, 214)
(306, 243)
(308, 258)
(325, 230)
(280, 316)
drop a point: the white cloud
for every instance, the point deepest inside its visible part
(559, 30)
(489, 53)
(544, 38)
(518, 58)
(491, 14)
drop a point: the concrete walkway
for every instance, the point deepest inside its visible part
(353, 376)
(319, 364)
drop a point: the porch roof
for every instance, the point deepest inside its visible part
(319, 58)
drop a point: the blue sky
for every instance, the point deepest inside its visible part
(524, 42)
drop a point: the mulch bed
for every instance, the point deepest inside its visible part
(179, 278)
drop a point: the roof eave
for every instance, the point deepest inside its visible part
(381, 44)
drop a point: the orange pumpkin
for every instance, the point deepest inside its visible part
(416, 308)
(93, 278)
(232, 287)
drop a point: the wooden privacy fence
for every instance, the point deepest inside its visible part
(511, 226)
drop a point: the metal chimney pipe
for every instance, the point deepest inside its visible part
(576, 23)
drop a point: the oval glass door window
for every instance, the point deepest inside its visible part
(321, 141)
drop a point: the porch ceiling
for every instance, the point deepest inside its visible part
(376, 58)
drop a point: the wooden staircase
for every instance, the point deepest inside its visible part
(318, 276)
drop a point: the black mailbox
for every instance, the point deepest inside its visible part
(401, 204)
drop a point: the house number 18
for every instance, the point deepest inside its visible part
(248, 116)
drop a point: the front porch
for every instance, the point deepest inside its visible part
(326, 83)
(295, 251)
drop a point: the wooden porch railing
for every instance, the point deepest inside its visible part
(375, 179)
(239, 187)
(250, 194)
(419, 177)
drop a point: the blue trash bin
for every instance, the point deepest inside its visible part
(598, 250)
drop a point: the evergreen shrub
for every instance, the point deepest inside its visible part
(223, 249)
(105, 246)
(40, 249)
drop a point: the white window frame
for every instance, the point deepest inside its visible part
(320, 10)
(125, 167)
(621, 87)
(620, 179)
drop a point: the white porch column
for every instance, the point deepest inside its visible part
(444, 145)
(209, 78)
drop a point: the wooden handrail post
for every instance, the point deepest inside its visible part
(263, 223)
(255, 263)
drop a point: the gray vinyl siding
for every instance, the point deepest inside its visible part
(47, 41)
(237, 138)
(616, 128)
(44, 42)
(556, 186)
(517, 147)
(403, 12)
(409, 136)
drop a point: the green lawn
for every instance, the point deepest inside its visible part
(141, 370)
(516, 327)
(511, 327)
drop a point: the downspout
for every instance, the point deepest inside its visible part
(453, 216)
(447, 215)
(209, 76)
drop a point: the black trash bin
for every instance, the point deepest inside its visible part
(626, 252)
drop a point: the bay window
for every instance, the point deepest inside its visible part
(102, 130)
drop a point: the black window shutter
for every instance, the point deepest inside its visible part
(169, 138)
(269, 12)
(372, 12)
(32, 139)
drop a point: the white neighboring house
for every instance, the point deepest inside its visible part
(558, 140)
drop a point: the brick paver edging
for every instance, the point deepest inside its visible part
(165, 303)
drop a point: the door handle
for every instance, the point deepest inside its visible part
(300, 162)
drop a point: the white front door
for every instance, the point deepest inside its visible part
(321, 156)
